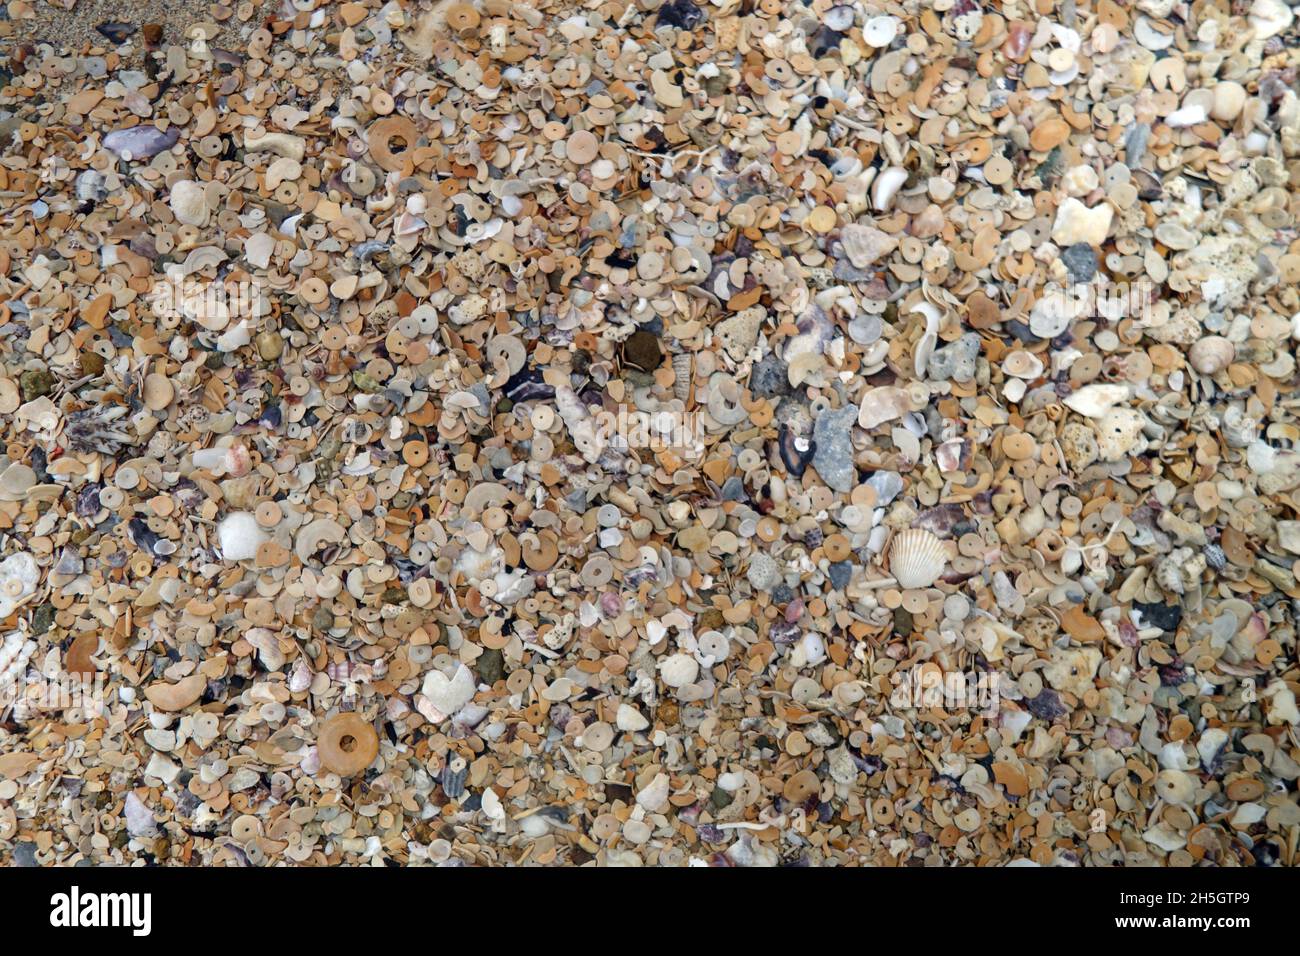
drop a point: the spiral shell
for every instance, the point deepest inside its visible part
(916, 558)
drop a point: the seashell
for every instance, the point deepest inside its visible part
(232, 460)
(267, 646)
(882, 404)
(1075, 223)
(1095, 400)
(630, 719)
(1150, 38)
(839, 18)
(69, 564)
(90, 186)
(678, 670)
(724, 403)
(916, 558)
(1022, 364)
(443, 696)
(929, 339)
(879, 32)
(1175, 787)
(866, 245)
(1269, 18)
(258, 249)
(19, 575)
(1053, 313)
(886, 187)
(682, 376)
(300, 676)
(140, 142)
(347, 744)
(189, 203)
(15, 652)
(453, 777)
(282, 144)
(177, 696)
(1211, 355)
(1118, 432)
(239, 536)
(15, 481)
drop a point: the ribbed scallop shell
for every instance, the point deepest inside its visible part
(916, 558)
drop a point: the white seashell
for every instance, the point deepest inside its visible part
(1269, 18)
(238, 536)
(1118, 432)
(1080, 180)
(1022, 364)
(15, 652)
(678, 670)
(886, 187)
(654, 796)
(866, 245)
(19, 575)
(1075, 222)
(188, 202)
(879, 32)
(234, 338)
(1187, 116)
(630, 719)
(446, 695)
(1095, 400)
(1150, 38)
(258, 249)
(1211, 354)
(916, 558)
(929, 339)
(882, 404)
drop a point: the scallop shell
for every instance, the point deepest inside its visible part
(916, 558)
(188, 202)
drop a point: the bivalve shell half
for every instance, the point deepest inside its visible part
(1022, 364)
(916, 558)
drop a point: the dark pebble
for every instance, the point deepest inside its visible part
(1081, 260)
(841, 573)
(490, 666)
(1047, 705)
(641, 350)
(116, 31)
(1167, 617)
(770, 378)
(680, 14)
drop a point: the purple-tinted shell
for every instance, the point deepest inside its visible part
(940, 520)
(140, 142)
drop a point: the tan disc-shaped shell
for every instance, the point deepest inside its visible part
(916, 558)
(347, 745)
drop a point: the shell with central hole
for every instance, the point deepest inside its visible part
(916, 558)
